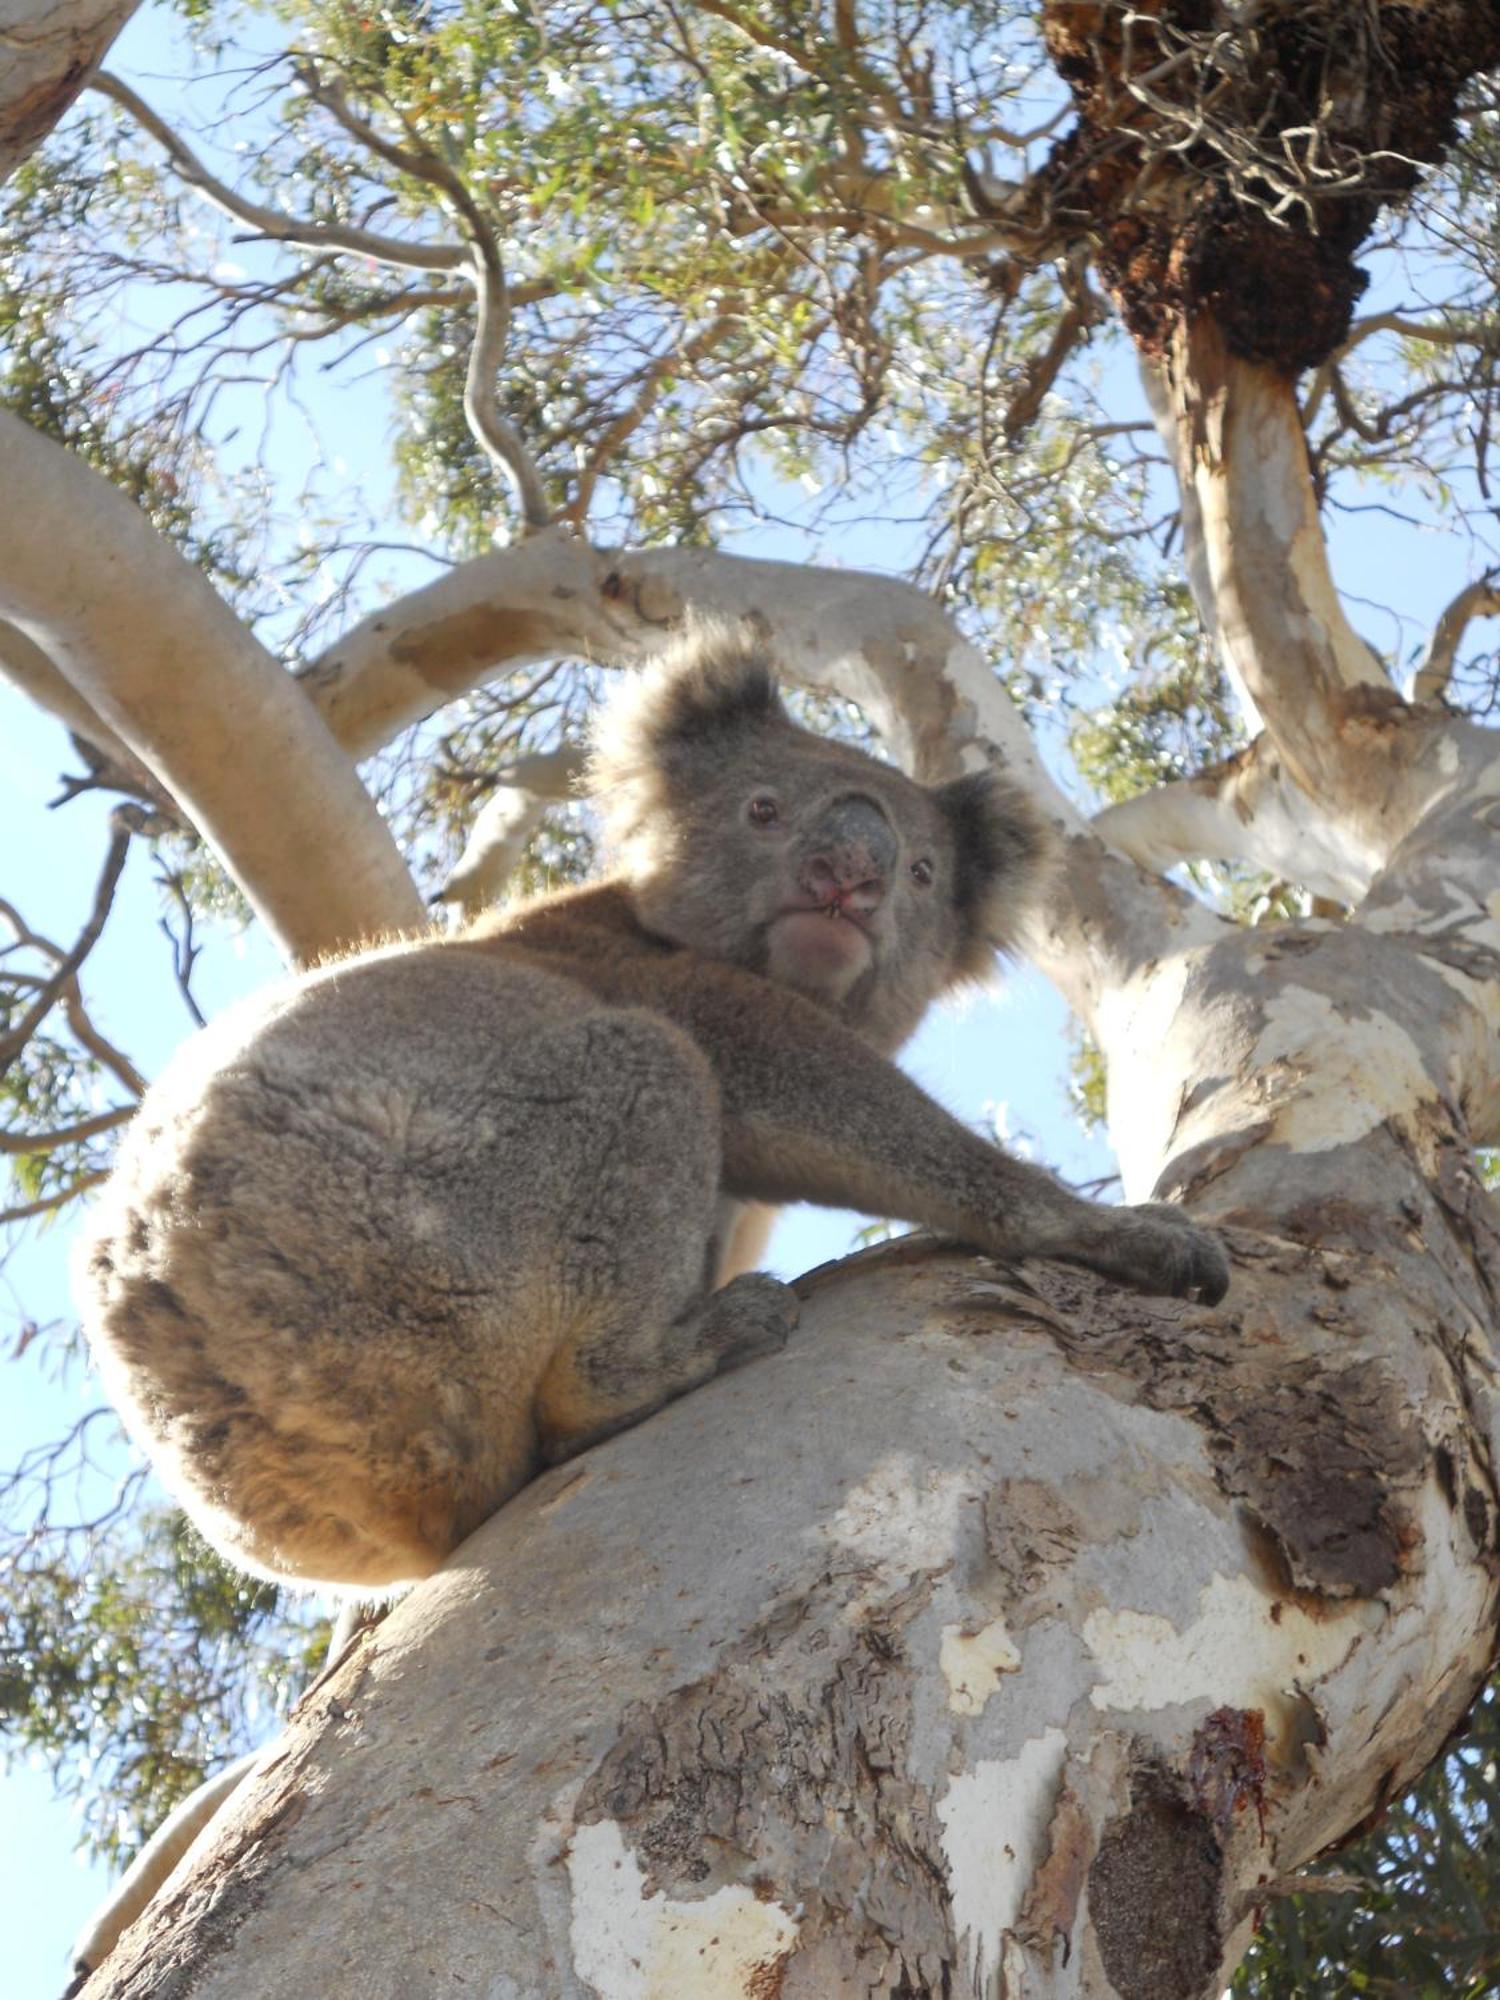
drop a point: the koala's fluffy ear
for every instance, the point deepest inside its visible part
(715, 679)
(1003, 849)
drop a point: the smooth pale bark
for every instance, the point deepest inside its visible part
(504, 825)
(1258, 560)
(1247, 808)
(176, 677)
(48, 51)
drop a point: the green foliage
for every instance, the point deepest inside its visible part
(1428, 1926)
(134, 1672)
(1088, 1082)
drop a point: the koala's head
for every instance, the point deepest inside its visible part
(749, 839)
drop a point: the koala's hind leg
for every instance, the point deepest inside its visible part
(635, 1323)
(618, 1374)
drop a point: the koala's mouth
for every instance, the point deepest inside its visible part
(819, 947)
(837, 913)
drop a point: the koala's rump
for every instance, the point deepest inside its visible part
(351, 1227)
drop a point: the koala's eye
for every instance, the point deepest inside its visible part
(763, 811)
(922, 873)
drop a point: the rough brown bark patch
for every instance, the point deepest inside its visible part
(1154, 1895)
(1170, 191)
(788, 1767)
(1316, 1449)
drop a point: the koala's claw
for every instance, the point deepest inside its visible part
(1159, 1249)
(754, 1314)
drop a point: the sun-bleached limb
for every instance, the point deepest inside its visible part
(47, 52)
(30, 672)
(1480, 599)
(272, 222)
(143, 637)
(1248, 809)
(505, 823)
(494, 431)
(1235, 433)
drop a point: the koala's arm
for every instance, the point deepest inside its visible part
(813, 1113)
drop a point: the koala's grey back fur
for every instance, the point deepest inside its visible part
(387, 1238)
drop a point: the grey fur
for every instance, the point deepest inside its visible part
(387, 1238)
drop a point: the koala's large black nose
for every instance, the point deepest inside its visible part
(850, 855)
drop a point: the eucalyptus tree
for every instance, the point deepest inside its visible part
(1011, 1634)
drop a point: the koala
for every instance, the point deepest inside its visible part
(390, 1237)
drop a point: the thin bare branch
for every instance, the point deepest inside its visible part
(13, 1043)
(656, 377)
(25, 1143)
(1480, 599)
(1436, 333)
(491, 428)
(270, 222)
(49, 1204)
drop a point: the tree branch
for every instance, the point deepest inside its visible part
(1436, 333)
(272, 222)
(14, 1042)
(1258, 565)
(1480, 599)
(48, 1204)
(505, 823)
(28, 669)
(144, 638)
(492, 430)
(26, 1143)
(1245, 809)
(657, 375)
(49, 51)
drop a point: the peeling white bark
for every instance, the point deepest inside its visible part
(1245, 809)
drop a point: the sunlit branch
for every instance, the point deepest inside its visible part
(28, 668)
(1084, 311)
(84, 1032)
(1247, 809)
(506, 822)
(272, 222)
(199, 700)
(656, 377)
(49, 1204)
(495, 432)
(1480, 599)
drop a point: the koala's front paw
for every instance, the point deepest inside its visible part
(1159, 1249)
(753, 1314)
